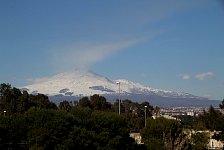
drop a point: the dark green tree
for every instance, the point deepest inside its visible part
(222, 104)
(212, 119)
(163, 133)
(84, 102)
(200, 141)
(41, 101)
(65, 105)
(13, 132)
(23, 102)
(99, 103)
(9, 98)
(99, 130)
(47, 128)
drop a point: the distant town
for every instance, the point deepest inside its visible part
(185, 111)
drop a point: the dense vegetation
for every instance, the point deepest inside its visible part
(33, 122)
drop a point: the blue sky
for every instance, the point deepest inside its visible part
(168, 44)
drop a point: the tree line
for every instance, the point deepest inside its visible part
(33, 122)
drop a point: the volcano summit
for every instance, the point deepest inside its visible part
(79, 83)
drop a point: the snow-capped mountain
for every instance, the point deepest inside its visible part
(87, 83)
(80, 83)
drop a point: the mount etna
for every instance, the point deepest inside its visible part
(78, 83)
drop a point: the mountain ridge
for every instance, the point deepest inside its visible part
(79, 83)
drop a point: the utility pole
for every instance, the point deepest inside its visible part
(119, 103)
(145, 115)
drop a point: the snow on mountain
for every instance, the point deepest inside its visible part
(85, 83)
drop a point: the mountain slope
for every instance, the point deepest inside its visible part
(87, 83)
(79, 83)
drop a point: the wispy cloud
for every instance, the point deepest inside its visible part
(185, 76)
(132, 21)
(204, 76)
(84, 55)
